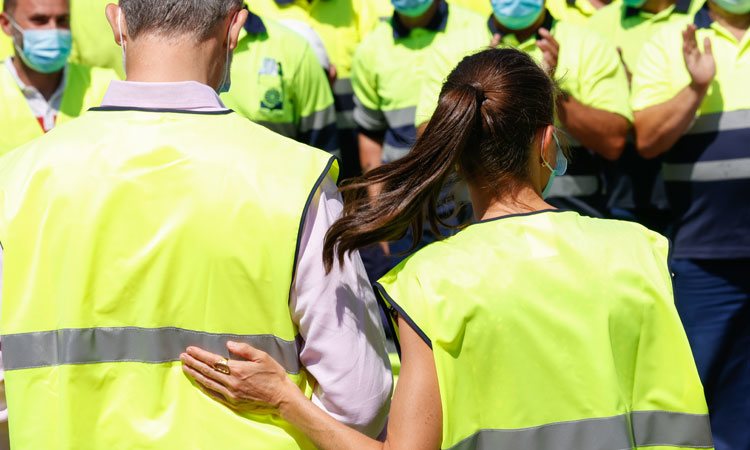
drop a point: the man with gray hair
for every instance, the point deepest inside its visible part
(163, 220)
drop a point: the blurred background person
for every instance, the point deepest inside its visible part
(342, 25)
(594, 109)
(574, 11)
(503, 346)
(278, 82)
(635, 188)
(162, 219)
(39, 88)
(91, 43)
(692, 103)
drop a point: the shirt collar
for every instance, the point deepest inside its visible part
(31, 90)
(254, 24)
(438, 22)
(183, 95)
(548, 23)
(681, 6)
(703, 18)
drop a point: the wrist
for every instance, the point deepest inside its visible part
(700, 89)
(289, 399)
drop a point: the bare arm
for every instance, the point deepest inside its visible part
(659, 127)
(259, 382)
(601, 131)
(370, 152)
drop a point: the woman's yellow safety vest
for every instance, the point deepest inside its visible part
(554, 331)
(128, 236)
(85, 87)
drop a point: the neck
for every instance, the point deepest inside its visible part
(735, 24)
(521, 35)
(45, 83)
(523, 200)
(657, 6)
(153, 59)
(420, 21)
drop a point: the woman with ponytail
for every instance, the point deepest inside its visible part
(533, 328)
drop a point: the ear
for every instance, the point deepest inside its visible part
(115, 14)
(235, 27)
(548, 146)
(5, 24)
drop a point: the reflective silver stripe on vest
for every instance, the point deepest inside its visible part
(575, 186)
(661, 428)
(399, 118)
(146, 345)
(650, 428)
(391, 153)
(318, 120)
(369, 119)
(724, 121)
(728, 169)
(343, 86)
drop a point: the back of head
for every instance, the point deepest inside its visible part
(491, 108)
(177, 18)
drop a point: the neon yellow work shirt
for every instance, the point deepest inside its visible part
(389, 67)
(707, 172)
(577, 12)
(278, 82)
(630, 28)
(93, 41)
(480, 6)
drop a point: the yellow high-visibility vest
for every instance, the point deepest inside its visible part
(85, 87)
(554, 331)
(128, 236)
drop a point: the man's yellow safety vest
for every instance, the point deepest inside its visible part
(128, 236)
(85, 87)
(554, 331)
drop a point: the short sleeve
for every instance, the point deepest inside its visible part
(401, 293)
(660, 73)
(368, 112)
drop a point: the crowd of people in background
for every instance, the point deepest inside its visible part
(654, 103)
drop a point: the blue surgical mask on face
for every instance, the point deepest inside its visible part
(517, 14)
(45, 51)
(560, 170)
(737, 7)
(411, 8)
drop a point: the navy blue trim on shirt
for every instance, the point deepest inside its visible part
(404, 316)
(161, 110)
(681, 6)
(532, 213)
(549, 21)
(703, 18)
(325, 138)
(438, 22)
(255, 25)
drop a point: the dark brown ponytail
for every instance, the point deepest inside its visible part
(488, 112)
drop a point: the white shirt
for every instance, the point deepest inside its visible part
(336, 313)
(44, 110)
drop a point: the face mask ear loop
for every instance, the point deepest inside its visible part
(544, 160)
(122, 41)
(18, 28)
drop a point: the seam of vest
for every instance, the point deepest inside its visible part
(388, 318)
(160, 110)
(303, 219)
(405, 316)
(532, 213)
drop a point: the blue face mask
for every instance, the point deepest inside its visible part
(517, 14)
(737, 7)
(226, 79)
(634, 3)
(45, 51)
(560, 170)
(411, 8)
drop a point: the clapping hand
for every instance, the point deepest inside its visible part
(700, 65)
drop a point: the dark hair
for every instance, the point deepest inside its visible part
(490, 109)
(176, 18)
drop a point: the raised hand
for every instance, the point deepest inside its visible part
(550, 50)
(700, 65)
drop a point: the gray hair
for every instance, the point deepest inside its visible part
(175, 18)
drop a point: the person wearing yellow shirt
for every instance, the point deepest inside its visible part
(692, 110)
(573, 11)
(89, 24)
(342, 25)
(39, 88)
(635, 187)
(594, 110)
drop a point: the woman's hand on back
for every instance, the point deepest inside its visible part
(255, 383)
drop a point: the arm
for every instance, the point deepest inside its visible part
(660, 126)
(259, 381)
(314, 105)
(370, 150)
(601, 131)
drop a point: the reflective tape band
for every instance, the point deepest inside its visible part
(723, 121)
(343, 86)
(399, 118)
(145, 345)
(345, 120)
(391, 153)
(575, 186)
(367, 118)
(662, 428)
(650, 428)
(728, 169)
(318, 120)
